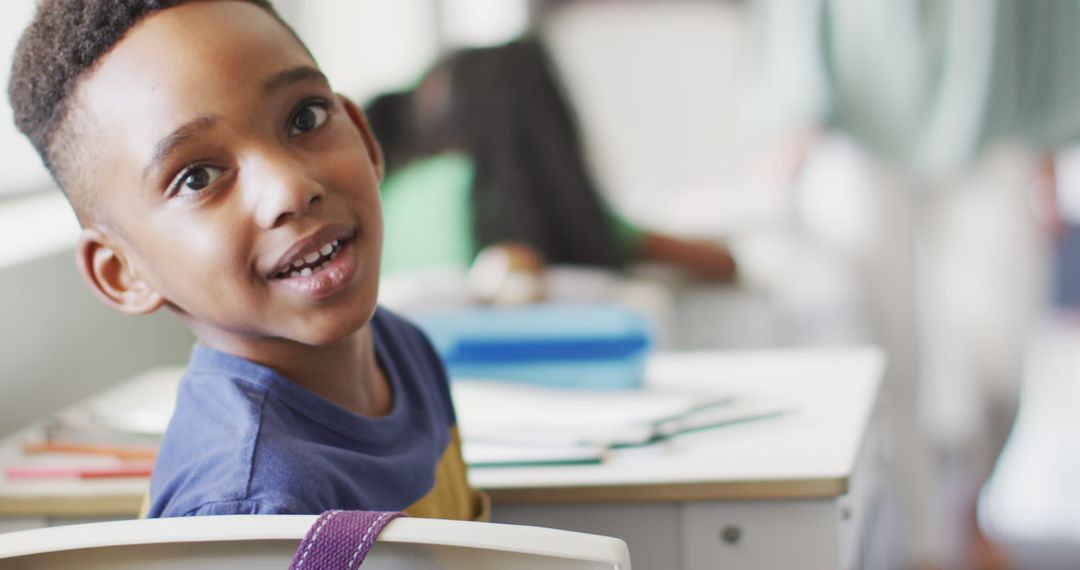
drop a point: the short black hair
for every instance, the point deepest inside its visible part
(65, 40)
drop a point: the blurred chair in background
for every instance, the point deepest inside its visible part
(1031, 499)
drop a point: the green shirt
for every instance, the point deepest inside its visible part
(427, 221)
(428, 218)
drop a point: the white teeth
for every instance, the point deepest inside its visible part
(328, 251)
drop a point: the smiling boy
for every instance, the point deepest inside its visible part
(216, 174)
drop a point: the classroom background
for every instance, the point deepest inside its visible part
(896, 173)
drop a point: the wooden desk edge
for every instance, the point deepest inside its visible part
(119, 505)
(823, 488)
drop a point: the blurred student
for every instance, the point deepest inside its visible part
(487, 150)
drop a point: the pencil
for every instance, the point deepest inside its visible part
(119, 451)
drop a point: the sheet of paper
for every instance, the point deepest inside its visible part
(489, 454)
(508, 412)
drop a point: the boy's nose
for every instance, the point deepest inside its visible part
(284, 191)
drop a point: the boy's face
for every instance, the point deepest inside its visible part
(234, 185)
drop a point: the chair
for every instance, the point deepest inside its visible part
(268, 541)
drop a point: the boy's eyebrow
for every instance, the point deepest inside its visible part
(293, 75)
(164, 147)
(173, 140)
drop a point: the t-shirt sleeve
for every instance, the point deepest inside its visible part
(427, 215)
(628, 237)
(238, 508)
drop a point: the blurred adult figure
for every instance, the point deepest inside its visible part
(960, 104)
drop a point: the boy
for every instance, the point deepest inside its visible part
(216, 174)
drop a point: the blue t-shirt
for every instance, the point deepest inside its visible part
(245, 440)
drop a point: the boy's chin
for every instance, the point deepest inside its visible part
(333, 331)
(322, 330)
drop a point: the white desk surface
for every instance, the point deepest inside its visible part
(99, 498)
(810, 452)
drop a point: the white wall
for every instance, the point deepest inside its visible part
(59, 344)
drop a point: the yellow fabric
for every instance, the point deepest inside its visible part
(144, 509)
(452, 497)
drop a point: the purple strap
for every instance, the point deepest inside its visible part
(340, 540)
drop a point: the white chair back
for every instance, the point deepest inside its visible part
(264, 541)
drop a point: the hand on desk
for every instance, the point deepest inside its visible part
(705, 260)
(513, 273)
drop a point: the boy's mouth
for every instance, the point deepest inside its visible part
(311, 262)
(321, 272)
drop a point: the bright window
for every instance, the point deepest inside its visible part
(483, 22)
(370, 46)
(366, 47)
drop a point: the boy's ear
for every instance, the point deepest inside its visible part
(111, 277)
(358, 119)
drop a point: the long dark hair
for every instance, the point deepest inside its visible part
(532, 184)
(391, 119)
(504, 108)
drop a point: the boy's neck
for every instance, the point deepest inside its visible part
(346, 373)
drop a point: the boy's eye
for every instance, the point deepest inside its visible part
(195, 179)
(308, 117)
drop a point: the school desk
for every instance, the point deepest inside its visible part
(795, 491)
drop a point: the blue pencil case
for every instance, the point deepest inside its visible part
(555, 345)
